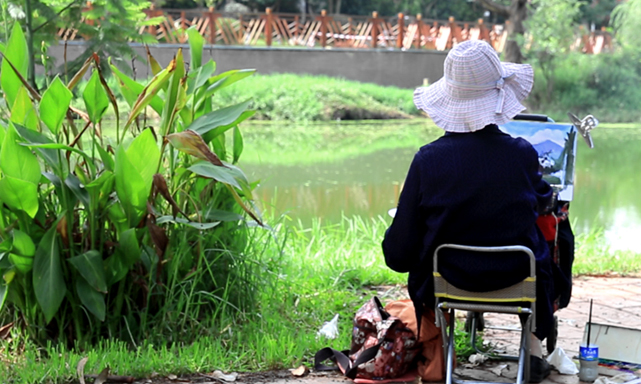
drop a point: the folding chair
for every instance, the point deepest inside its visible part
(518, 299)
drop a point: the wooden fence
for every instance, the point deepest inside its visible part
(339, 31)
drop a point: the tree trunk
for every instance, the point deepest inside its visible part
(330, 7)
(338, 7)
(518, 14)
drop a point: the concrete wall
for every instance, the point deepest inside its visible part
(405, 69)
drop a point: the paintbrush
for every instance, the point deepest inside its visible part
(589, 324)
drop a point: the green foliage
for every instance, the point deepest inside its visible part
(312, 98)
(604, 85)
(107, 234)
(549, 38)
(625, 20)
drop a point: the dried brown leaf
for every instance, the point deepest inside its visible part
(160, 186)
(5, 330)
(193, 144)
(158, 236)
(300, 371)
(102, 377)
(80, 369)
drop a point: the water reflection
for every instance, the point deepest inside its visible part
(359, 175)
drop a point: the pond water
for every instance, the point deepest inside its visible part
(326, 171)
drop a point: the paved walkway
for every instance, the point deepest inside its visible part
(616, 301)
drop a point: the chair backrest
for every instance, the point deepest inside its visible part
(523, 290)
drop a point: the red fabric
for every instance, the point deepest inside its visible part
(547, 225)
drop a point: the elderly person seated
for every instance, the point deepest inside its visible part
(475, 185)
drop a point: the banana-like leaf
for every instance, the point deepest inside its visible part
(19, 194)
(50, 156)
(90, 266)
(172, 94)
(131, 188)
(223, 119)
(63, 147)
(15, 63)
(78, 190)
(48, 281)
(144, 155)
(96, 101)
(196, 43)
(91, 299)
(238, 144)
(55, 101)
(131, 89)
(148, 92)
(105, 86)
(126, 255)
(16, 160)
(228, 174)
(23, 112)
(226, 79)
(4, 290)
(201, 76)
(22, 252)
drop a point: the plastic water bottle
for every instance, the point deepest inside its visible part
(588, 363)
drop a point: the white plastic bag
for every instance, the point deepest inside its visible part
(562, 362)
(329, 329)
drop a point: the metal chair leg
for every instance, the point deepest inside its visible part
(449, 373)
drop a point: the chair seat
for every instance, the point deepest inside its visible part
(519, 298)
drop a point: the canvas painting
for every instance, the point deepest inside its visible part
(556, 146)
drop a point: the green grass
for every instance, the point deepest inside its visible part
(303, 98)
(317, 271)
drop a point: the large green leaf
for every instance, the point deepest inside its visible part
(22, 244)
(96, 99)
(54, 105)
(23, 112)
(131, 188)
(90, 266)
(131, 89)
(19, 194)
(227, 174)
(16, 52)
(144, 155)
(88, 158)
(238, 144)
(226, 79)
(23, 250)
(196, 43)
(93, 300)
(78, 190)
(16, 160)
(172, 94)
(223, 119)
(50, 156)
(201, 76)
(126, 255)
(48, 281)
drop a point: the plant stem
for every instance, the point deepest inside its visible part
(31, 74)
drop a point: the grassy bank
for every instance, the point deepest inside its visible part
(319, 98)
(320, 270)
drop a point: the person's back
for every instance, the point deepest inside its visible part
(474, 186)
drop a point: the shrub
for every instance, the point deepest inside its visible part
(133, 233)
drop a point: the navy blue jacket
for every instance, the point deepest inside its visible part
(482, 188)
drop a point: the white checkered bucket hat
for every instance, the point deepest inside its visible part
(476, 90)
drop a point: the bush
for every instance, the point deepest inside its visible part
(133, 233)
(605, 85)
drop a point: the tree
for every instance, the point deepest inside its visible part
(626, 20)
(515, 14)
(551, 30)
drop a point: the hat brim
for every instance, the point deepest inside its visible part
(472, 114)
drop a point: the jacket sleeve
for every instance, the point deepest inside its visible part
(404, 238)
